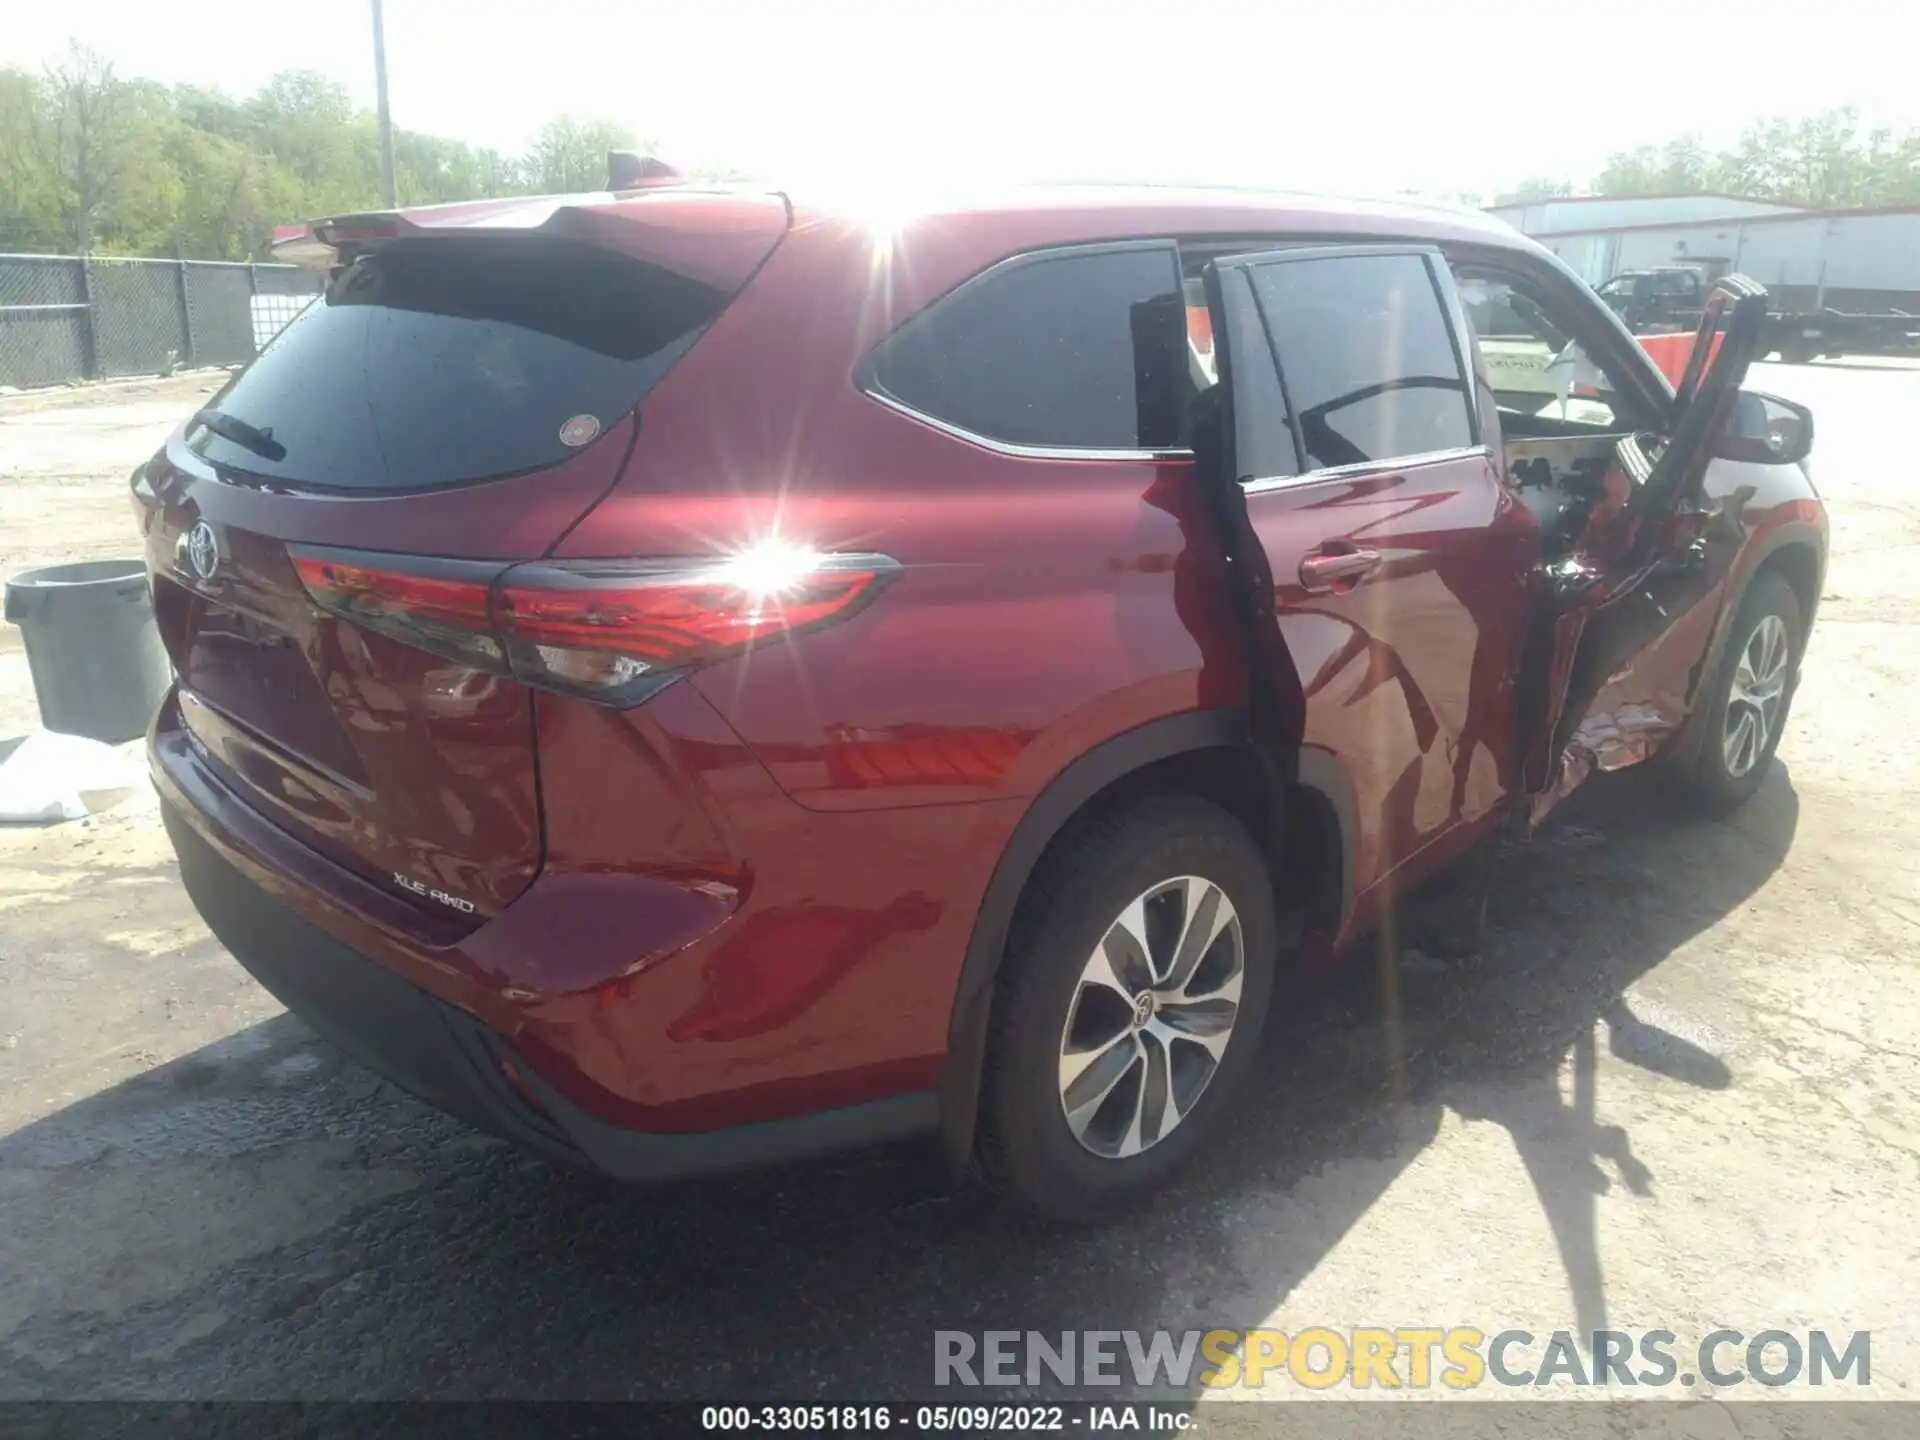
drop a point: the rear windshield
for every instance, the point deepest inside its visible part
(438, 361)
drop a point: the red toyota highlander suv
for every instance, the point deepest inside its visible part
(685, 678)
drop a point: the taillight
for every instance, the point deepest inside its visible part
(438, 605)
(612, 629)
(615, 631)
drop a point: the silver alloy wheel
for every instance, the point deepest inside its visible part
(1151, 1017)
(1758, 690)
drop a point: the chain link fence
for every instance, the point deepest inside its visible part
(67, 317)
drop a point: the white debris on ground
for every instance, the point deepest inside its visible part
(51, 777)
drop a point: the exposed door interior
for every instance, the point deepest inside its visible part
(1373, 483)
(1611, 483)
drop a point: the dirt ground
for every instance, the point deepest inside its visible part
(1679, 1093)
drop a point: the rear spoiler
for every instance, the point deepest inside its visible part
(333, 238)
(296, 245)
(718, 237)
(324, 243)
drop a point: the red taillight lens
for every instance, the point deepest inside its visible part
(439, 605)
(612, 630)
(617, 630)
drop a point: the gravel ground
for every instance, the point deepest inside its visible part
(1677, 1093)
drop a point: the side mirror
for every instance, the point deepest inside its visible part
(1766, 430)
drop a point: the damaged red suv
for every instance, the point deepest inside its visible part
(685, 679)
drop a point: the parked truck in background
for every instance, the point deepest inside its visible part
(1669, 298)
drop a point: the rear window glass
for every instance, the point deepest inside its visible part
(433, 362)
(1367, 356)
(1075, 350)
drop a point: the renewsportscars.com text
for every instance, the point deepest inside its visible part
(1406, 1357)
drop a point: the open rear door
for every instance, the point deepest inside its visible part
(1241, 432)
(1638, 572)
(1382, 569)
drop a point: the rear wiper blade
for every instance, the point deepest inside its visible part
(248, 437)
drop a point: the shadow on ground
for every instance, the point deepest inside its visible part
(400, 1256)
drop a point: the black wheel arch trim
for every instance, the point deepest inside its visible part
(1318, 771)
(1794, 534)
(1800, 533)
(1063, 798)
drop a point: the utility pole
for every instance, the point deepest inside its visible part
(386, 118)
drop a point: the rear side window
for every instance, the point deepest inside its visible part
(1067, 350)
(433, 362)
(1367, 356)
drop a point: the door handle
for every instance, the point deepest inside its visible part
(1338, 569)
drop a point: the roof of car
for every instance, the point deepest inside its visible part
(1126, 206)
(1133, 209)
(1011, 219)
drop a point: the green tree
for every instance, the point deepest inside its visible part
(1820, 160)
(1682, 166)
(232, 196)
(1630, 172)
(1529, 192)
(90, 160)
(1687, 167)
(137, 217)
(1828, 162)
(29, 211)
(570, 154)
(308, 124)
(84, 137)
(1893, 169)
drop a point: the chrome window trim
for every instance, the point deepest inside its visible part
(1452, 315)
(1013, 448)
(1367, 467)
(863, 373)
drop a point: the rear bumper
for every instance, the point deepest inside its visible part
(498, 1026)
(437, 1052)
(454, 1062)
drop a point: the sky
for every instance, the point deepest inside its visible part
(1354, 96)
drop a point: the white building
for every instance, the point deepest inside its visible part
(1847, 259)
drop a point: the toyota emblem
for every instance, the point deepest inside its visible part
(203, 550)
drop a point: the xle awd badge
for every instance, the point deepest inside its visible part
(428, 892)
(203, 550)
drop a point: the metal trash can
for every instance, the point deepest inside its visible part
(99, 669)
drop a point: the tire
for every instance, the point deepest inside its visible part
(1761, 658)
(1175, 857)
